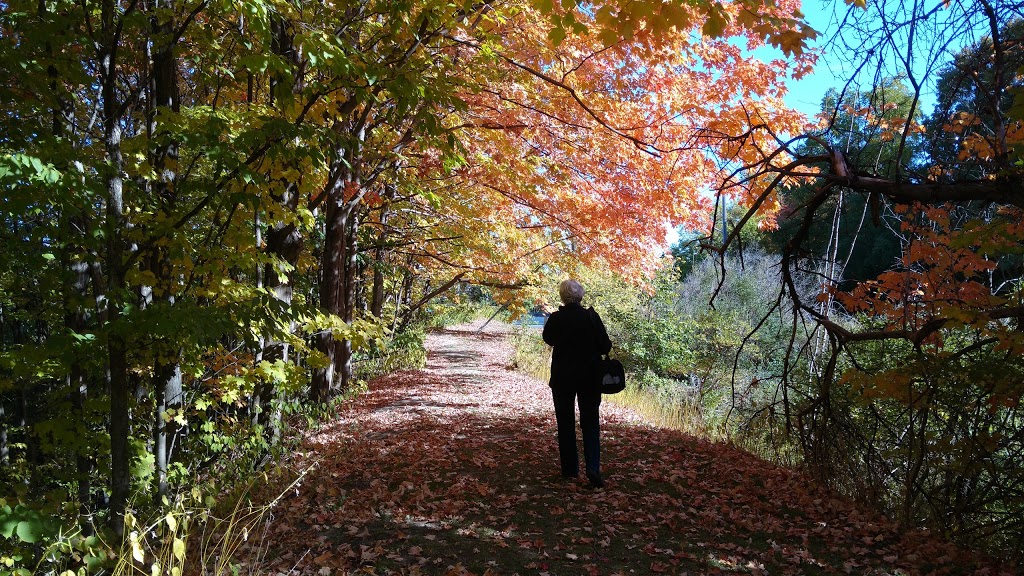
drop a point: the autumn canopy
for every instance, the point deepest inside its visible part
(211, 207)
(220, 217)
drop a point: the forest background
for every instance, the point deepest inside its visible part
(221, 217)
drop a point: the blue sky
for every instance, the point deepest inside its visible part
(806, 94)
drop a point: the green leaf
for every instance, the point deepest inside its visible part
(30, 531)
(93, 562)
(715, 25)
(7, 526)
(557, 33)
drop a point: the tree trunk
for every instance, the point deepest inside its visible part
(167, 381)
(284, 243)
(377, 290)
(167, 387)
(31, 442)
(337, 294)
(75, 265)
(75, 321)
(5, 449)
(332, 282)
(348, 300)
(116, 347)
(403, 297)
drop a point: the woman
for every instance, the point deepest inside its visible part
(578, 338)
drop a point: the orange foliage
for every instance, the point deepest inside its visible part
(588, 149)
(945, 274)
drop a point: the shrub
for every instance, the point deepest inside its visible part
(405, 351)
(531, 355)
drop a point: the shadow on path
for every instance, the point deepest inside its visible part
(453, 470)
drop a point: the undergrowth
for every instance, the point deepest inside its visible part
(194, 532)
(443, 314)
(645, 394)
(404, 351)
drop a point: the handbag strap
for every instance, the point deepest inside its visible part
(592, 314)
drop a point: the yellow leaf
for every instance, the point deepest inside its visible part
(178, 548)
(137, 553)
(172, 523)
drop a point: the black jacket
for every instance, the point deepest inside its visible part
(578, 337)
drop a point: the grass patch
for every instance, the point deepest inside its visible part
(404, 351)
(659, 401)
(533, 357)
(683, 416)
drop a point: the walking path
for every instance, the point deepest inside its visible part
(453, 470)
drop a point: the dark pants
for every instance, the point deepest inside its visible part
(565, 415)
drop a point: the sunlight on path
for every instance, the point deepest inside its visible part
(452, 470)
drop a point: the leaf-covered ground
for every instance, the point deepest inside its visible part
(453, 470)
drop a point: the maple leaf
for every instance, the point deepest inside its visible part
(792, 42)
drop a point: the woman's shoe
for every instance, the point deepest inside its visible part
(595, 480)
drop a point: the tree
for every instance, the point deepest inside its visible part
(210, 205)
(895, 410)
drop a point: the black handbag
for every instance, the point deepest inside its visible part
(611, 376)
(608, 373)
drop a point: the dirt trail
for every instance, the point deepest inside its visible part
(453, 470)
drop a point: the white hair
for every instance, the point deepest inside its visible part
(570, 291)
